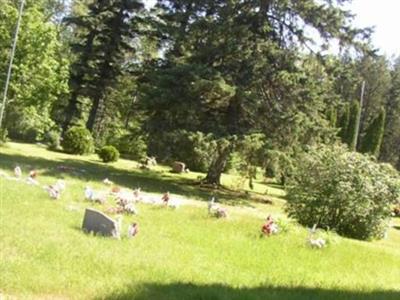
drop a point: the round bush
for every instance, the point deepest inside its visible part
(108, 154)
(344, 191)
(78, 140)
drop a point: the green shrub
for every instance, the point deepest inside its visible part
(132, 145)
(52, 139)
(195, 149)
(29, 124)
(78, 140)
(343, 191)
(108, 154)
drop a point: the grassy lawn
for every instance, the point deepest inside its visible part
(178, 254)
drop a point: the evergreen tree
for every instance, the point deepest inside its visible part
(390, 151)
(374, 70)
(229, 65)
(351, 132)
(372, 140)
(108, 31)
(349, 73)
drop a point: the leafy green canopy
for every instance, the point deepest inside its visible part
(343, 191)
(39, 74)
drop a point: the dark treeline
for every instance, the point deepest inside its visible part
(216, 83)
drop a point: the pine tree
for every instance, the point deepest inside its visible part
(108, 30)
(351, 132)
(230, 61)
(391, 140)
(372, 140)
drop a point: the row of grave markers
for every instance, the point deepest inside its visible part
(97, 222)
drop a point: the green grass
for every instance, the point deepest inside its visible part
(182, 254)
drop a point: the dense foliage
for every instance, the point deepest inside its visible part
(196, 149)
(78, 140)
(53, 139)
(131, 145)
(40, 72)
(196, 81)
(353, 125)
(372, 140)
(343, 191)
(108, 154)
(100, 52)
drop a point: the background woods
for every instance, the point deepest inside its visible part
(209, 73)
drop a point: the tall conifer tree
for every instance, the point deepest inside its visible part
(351, 132)
(230, 64)
(106, 35)
(372, 140)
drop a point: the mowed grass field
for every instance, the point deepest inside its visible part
(178, 254)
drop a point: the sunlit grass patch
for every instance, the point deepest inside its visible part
(178, 254)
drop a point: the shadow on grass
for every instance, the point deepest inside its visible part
(396, 227)
(148, 181)
(221, 292)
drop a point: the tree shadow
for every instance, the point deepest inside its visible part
(396, 227)
(148, 180)
(222, 292)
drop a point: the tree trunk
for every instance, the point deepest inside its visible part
(218, 165)
(107, 75)
(72, 111)
(93, 113)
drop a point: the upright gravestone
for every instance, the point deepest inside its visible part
(178, 167)
(98, 223)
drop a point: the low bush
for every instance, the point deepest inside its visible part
(343, 191)
(132, 145)
(29, 124)
(53, 139)
(108, 154)
(78, 140)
